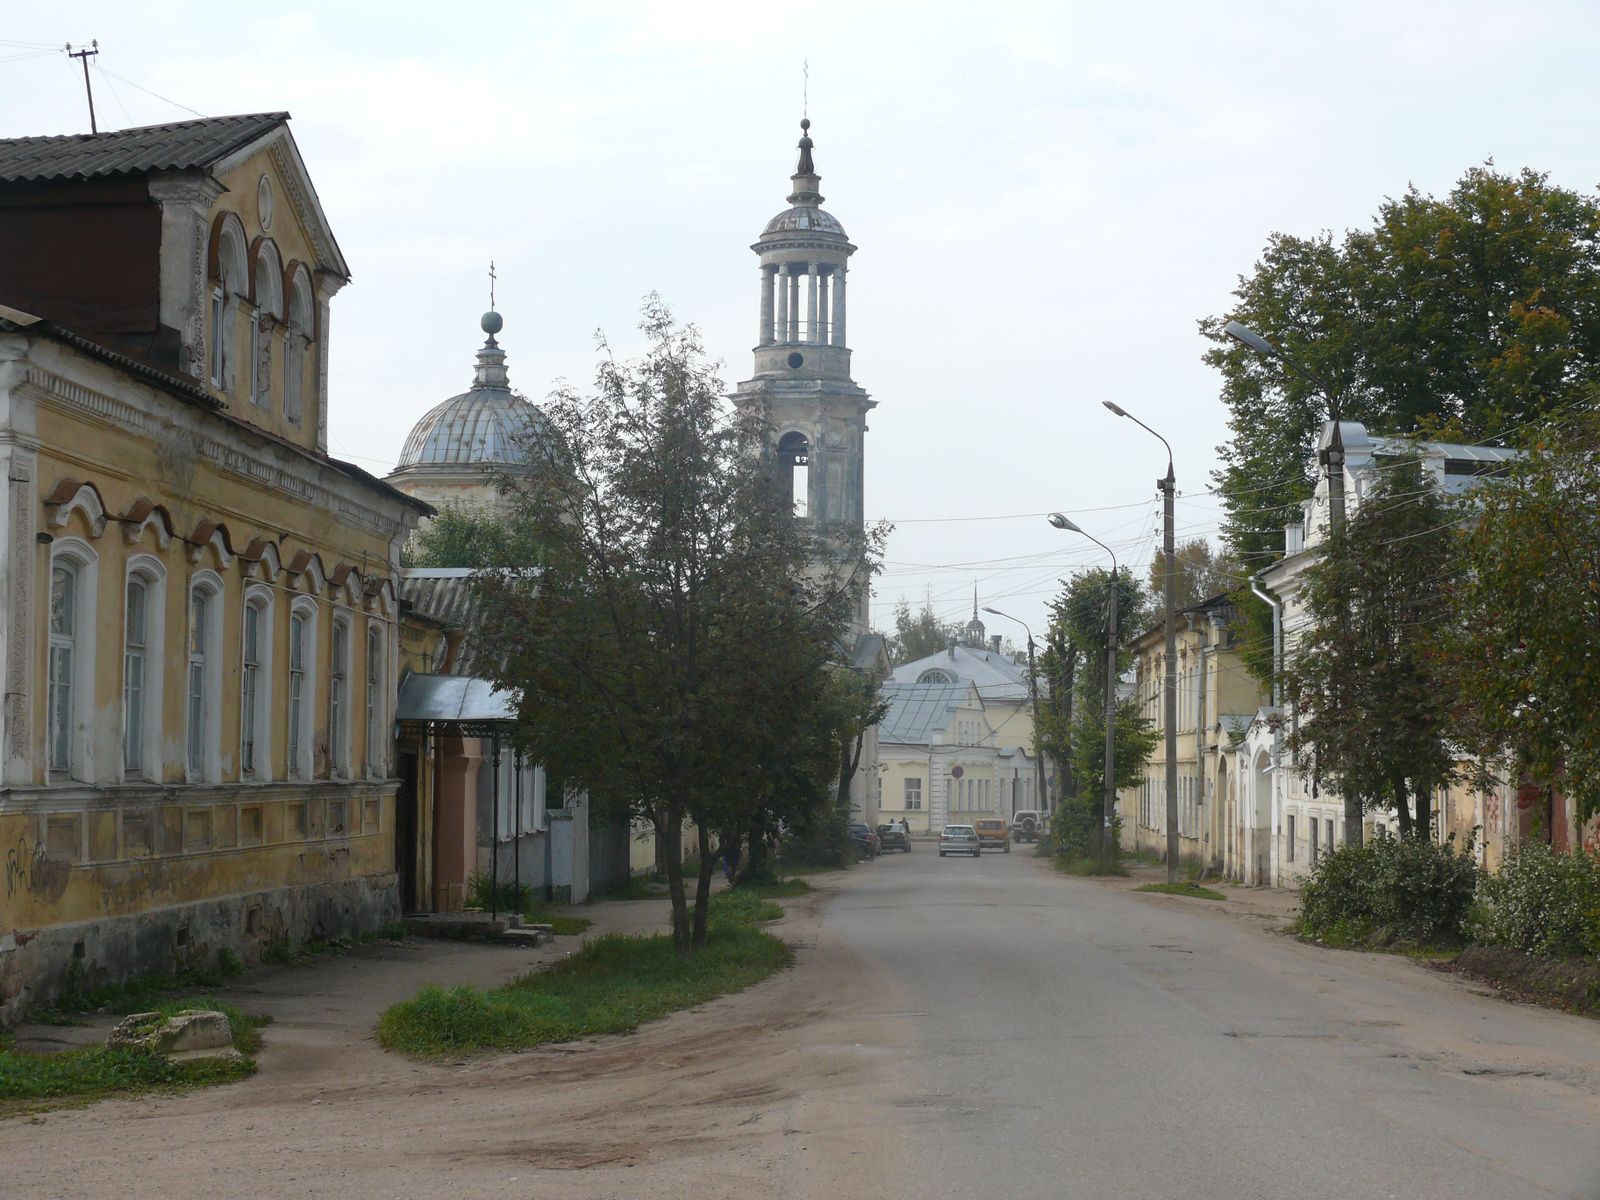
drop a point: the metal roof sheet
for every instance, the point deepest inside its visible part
(917, 711)
(997, 676)
(453, 699)
(181, 145)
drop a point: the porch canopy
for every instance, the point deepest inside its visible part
(459, 704)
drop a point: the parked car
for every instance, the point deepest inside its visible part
(960, 839)
(866, 841)
(896, 835)
(1027, 824)
(993, 832)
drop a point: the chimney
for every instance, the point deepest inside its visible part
(994, 641)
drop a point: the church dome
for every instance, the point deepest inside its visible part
(804, 219)
(487, 425)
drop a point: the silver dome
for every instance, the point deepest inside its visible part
(486, 426)
(803, 218)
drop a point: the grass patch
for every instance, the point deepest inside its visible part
(793, 870)
(1182, 889)
(638, 887)
(1088, 866)
(777, 889)
(560, 923)
(138, 994)
(30, 1081)
(613, 984)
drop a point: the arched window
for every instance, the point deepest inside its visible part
(339, 697)
(266, 317)
(143, 632)
(302, 685)
(297, 344)
(794, 455)
(203, 747)
(255, 679)
(934, 675)
(228, 288)
(375, 739)
(70, 700)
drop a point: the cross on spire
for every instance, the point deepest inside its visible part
(492, 278)
(805, 87)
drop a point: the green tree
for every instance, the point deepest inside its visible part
(465, 536)
(1531, 607)
(1080, 620)
(1202, 574)
(1371, 674)
(671, 655)
(1471, 315)
(918, 634)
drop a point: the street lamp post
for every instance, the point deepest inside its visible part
(1332, 460)
(1033, 701)
(1110, 802)
(1169, 687)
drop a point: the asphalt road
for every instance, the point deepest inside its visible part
(1064, 1038)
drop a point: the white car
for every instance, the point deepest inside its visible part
(960, 839)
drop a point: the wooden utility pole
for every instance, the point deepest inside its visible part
(84, 56)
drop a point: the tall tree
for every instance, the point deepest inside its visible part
(1081, 617)
(918, 634)
(1531, 606)
(463, 536)
(671, 655)
(1370, 675)
(1473, 314)
(1202, 574)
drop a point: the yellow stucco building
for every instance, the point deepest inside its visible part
(198, 608)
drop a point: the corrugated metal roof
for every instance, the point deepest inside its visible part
(917, 711)
(453, 699)
(442, 594)
(181, 145)
(997, 676)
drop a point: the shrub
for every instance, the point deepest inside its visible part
(1541, 901)
(823, 841)
(482, 892)
(1389, 890)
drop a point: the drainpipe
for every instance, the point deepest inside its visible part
(1276, 605)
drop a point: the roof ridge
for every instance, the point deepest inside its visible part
(164, 127)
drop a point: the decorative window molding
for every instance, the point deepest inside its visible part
(143, 667)
(67, 499)
(339, 696)
(376, 706)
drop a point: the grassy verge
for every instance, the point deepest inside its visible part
(638, 887)
(1182, 889)
(30, 1082)
(1088, 866)
(560, 923)
(139, 994)
(775, 889)
(613, 984)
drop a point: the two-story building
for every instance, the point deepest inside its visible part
(198, 606)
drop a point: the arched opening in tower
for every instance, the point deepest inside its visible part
(794, 454)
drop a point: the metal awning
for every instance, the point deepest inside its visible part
(458, 703)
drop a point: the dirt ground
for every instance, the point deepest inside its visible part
(768, 1092)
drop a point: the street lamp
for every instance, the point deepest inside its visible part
(1333, 460)
(1033, 700)
(1169, 688)
(1060, 521)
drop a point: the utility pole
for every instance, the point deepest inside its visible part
(1169, 697)
(1033, 700)
(85, 56)
(1107, 849)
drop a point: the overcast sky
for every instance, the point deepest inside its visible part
(1046, 198)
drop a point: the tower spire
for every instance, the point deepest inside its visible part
(805, 178)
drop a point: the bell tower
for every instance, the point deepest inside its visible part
(802, 360)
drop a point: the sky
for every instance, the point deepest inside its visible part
(1046, 199)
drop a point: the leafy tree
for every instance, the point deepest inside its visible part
(918, 634)
(671, 654)
(1079, 620)
(1531, 604)
(1202, 574)
(465, 536)
(1370, 675)
(1471, 315)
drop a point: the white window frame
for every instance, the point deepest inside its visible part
(77, 556)
(227, 291)
(301, 760)
(377, 643)
(339, 696)
(301, 309)
(148, 571)
(912, 790)
(257, 599)
(201, 707)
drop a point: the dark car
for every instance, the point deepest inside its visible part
(895, 836)
(866, 841)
